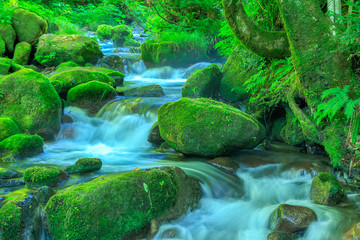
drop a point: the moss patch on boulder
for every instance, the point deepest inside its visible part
(292, 133)
(103, 32)
(8, 128)
(203, 83)
(8, 34)
(32, 102)
(10, 222)
(120, 205)
(85, 165)
(28, 26)
(64, 48)
(326, 190)
(91, 96)
(131, 43)
(208, 128)
(22, 53)
(43, 176)
(120, 34)
(20, 146)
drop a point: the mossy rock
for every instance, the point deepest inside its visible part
(66, 80)
(120, 205)
(5, 65)
(207, 128)
(240, 66)
(166, 53)
(91, 96)
(10, 174)
(67, 65)
(2, 47)
(20, 146)
(292, 133)
(28, 26)
(103, 32)
(113, 62)
(10, 219)
(85, 165)
(22, 53)
(326, 190)
(8, 128)
(131, 105)
(131, 43)
(291, 219)
(153, 90)
(43, 176)
(280, 236)
(63, 48)
(203, 83)
(8, 34)
(32, 102)
(119, 35)
(154, 136)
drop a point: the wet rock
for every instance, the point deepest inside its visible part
(194, 68)
(203, 83)
(207, 128)
(20, 146)
(8, 128)
(291, 219)
(11, 183)
(280, 236)
(131, 43)
(225, 163)
(8, 34)
(113, 62)
(43, 194)
(28, 26)
(326, 190)
(154, 136)
(11, 174)
(85, 165)
(67, 119)
(44, 176)
(120, 34)
(153, 90)
(154, 229)
(353, 233)
(22, 53)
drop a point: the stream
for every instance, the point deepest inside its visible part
(234, 206)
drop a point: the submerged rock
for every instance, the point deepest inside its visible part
(20, 146)
(326, 190)
(280, 236)
(8, 128)
(203, 83)
(120, 34)
(32, 102)
(22, 53)
(91, 96)
(154, 136)
(208, 128)
(120, 205)
(8, 34)
(28, 26)
(291, 219)
(44, 176)
(153, 90)
(56, 49)
(225, 163)
(85, 165)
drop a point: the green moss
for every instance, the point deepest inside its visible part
(113, 206)
(8, 34)
(7, 128)
(22, 53)
(153, 90)
(333, 143)
(131, 43)
(120, 34)
(28, 26)
(32, 102)
(85, 165)
(203, 83)
(10, 222)
(292, 133)
(104, 32)
(21, 145)
(326, 190)
(93, 91)
(207, 128)
(5, 65)
(42, 176)
(2, 47)
(67, 64)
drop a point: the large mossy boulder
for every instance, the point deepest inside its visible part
(120, 34)
(208, 128)
(10, 219)
(66, 80)
(240, 66)
(22, 53)
(77, 48)
(103, 32)
(291, 219)
(91, 96)
(166, 53)
(20, 146)
(8, 34)
(119, 206)
(28, 26)
(203, 83)
(85, 165)
(8, 128)
(44, 176)
(326, 190)
(153, 90)
(32, 102)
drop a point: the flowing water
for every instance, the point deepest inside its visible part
(234, 206)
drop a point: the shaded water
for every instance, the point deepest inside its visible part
(233, 206)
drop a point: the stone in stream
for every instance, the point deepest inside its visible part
(44, 176)
(28, 26)
(225, 163)
(22, 53)
(119, 206)
(8, 128)
(20, 146)
(113, 62)
(153, 90)
(8, 183)
(85, 165)
(326, 190)
(55, 49)
(10, 174)
(280, 236)
(36, 109)
(103, 32)
(353, 233)
(91, 96)
(8, 34)
(131, 43)
(154, 136)
(291, 219)
(194, 68)
(203, 83)
(207, 128)
(43, 194)
(120, 34)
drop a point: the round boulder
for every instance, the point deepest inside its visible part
(20, 146)
(85, 165)
(22, 53)
(103, 32)
(44, 176)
